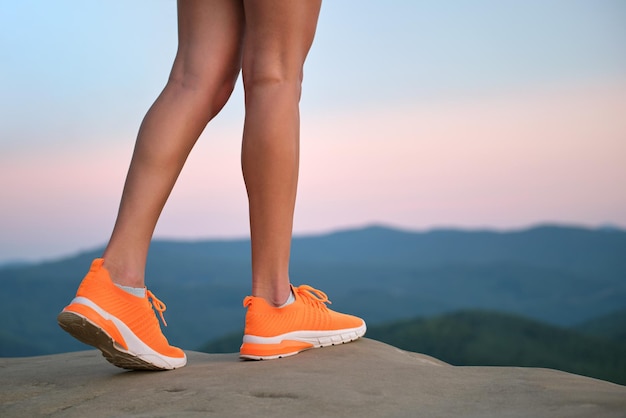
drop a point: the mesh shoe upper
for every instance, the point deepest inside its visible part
(309, 312)
(135, 312)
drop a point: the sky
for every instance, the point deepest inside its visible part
(415, 114)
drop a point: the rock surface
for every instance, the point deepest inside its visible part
(362, 379)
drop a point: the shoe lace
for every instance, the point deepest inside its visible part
(313, 296)
(157, 304)
(307, 294)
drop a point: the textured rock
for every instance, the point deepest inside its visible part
(362, 379)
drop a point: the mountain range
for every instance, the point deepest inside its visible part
(560, 275)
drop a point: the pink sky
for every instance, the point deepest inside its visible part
(535, 156)
(508, 161)
(450, 116)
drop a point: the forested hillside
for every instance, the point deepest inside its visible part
(559, 275)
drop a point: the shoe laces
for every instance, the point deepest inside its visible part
(306, 293)
(312, 296)
(157, 304)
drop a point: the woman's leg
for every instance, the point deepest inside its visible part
(205, 70)
(278, 36)
(122, 323)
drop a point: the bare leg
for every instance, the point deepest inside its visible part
(203, 75)
(278, 36)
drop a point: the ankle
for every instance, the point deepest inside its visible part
(140, 292)
(275, 297)
(123, 276)
(290, 299)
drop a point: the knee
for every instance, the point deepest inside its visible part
(210, 88)
(258, 79)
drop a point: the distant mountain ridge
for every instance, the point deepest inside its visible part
(557, 246)
(556, 274)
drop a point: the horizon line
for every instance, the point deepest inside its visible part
(606, 226)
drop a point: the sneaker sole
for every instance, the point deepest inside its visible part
(86, 332)
(118, 344)
(270, 348)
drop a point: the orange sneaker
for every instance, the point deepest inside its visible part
(306, 323)
(123, 326)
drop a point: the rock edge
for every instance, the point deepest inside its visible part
(365, 378)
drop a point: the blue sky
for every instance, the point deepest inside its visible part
(414, 114)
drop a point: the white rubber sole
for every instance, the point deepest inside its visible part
(315, 339)
(138, 356)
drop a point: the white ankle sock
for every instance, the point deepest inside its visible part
(291, 299)
(135, 291)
